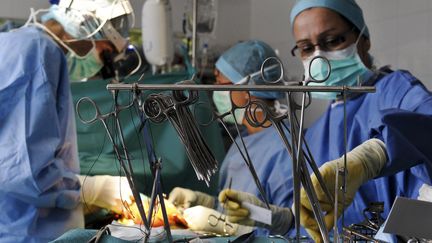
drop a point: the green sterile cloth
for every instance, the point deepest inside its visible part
(83, 235)
(176, 168)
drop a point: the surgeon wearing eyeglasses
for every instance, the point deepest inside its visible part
(41, 191)
(388, 132)
(399, 114)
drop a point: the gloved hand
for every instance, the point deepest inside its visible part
(363, 163)
(105, 191)
(425, 193)
(197, 219)
(232, 200)
(185, 198)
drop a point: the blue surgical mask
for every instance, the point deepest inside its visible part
(347, 69)
(82, 67)
(222, 100)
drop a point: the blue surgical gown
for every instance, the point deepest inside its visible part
(272, 164)
(39, 192)
(399, 113)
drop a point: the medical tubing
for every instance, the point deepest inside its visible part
(138, 66)
(91, 34)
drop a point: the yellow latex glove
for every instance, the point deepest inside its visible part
(198, 218)
(186, 198)
(363, 163)
(232, 201)
(106, 191)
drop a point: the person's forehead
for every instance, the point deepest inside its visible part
(314, 21)
(221, 78)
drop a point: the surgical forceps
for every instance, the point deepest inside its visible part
(295, 149)
(243, 152)
(126, 166)
(213, 220)
(159, 107)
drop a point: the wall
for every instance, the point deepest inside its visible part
(270, 23)
(20, 9)
(400, 30)
(233, 22)
(400, 35)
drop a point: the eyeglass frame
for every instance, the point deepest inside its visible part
(340, 37)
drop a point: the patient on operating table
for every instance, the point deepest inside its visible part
(199, 218)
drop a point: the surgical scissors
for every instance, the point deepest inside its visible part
(98, 116)
(300, 170)
(213, 220)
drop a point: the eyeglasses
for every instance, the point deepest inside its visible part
(329, 43)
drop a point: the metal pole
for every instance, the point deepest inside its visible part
(194, 31)
(208, 87)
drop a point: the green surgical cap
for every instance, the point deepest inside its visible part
(347, 8)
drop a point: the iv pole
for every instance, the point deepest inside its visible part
(194, 31)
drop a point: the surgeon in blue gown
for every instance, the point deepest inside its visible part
(389, 131)
(266, 150)
(40, 192)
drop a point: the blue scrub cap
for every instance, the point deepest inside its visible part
(246, 58)
(347, 8)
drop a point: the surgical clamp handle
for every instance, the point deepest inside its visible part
(300, 169)
(277, 121)
(266, 67)
(102, 118)
(245, 155)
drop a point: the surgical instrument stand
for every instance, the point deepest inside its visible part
(299, 167)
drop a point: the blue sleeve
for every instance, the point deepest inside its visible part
(38, 151)
(407, 131)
